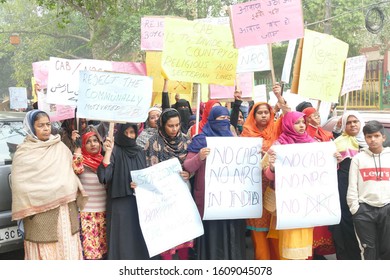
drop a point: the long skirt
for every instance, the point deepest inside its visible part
(222, 240)
(93, 235)
(68, 246)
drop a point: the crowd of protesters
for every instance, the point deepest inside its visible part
(74, 191)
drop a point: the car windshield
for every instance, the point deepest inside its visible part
(11, 134)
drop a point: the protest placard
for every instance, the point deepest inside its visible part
(355, 70)
(260, 93)
(152, 33)
(199, 52)
(233, 178)
(306, 185)
(167, 212)
(263, 21)
(322, 66)
(244, 82)
(153, 67)
(56, 112)
(63, 80)
(253, 58)
(286, 72)
(109, 96)
(18, 97)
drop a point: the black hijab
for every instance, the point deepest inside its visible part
(128, 156)
(184, 109)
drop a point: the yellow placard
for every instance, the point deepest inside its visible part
(199, 52)
(322, 66)
(153, 68)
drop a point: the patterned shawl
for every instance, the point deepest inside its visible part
(161, 147)
(347, 145)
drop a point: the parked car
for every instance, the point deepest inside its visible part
(382, 116)
(11, 134)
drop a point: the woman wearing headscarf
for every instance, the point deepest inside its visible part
(348, 145)
(222, 239)
(124, 237)
(322, 238)
(86, 160)
(169, 143)
(260, 123)
(313, 125)
(293, 243)
(46, 193)
(207, 108)
(150, 126)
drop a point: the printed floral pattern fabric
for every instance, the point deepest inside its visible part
(93, 235)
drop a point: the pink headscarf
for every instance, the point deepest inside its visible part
(289, 135)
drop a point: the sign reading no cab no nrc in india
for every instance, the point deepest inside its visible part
(111, 96)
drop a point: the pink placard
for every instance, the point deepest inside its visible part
(41, 73)
(245, 84)
(136, 68)
(266, 21)
(152, 33)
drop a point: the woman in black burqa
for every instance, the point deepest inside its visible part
(124, 237)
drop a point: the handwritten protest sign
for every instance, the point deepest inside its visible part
(56, 112)
(199, 52)
(167, 212)
(63, 80)
(152, 33)
(253, 58)
(306, 185)
(233, 178)
(286, 72)
(263, 21)
(244, 82)
(355, 69)
(153, 66)
(114, 96)
(18, 97)
(322, 66)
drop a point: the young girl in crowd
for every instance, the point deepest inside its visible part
(124, 237)
(93, 217)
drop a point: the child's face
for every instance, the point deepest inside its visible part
(375, 141)
(300, 126)
(92, 145)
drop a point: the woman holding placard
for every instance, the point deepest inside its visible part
(222, 239)
(169, 143)
(296, 243)
(260, 123)
(124, 236)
